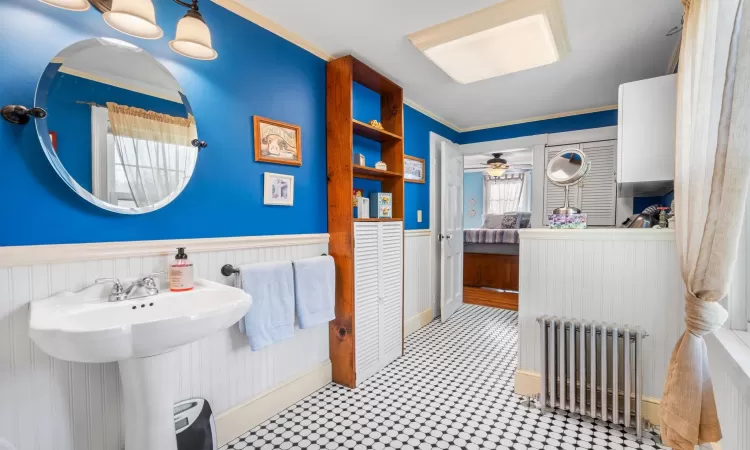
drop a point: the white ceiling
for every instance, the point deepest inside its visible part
(612, 42)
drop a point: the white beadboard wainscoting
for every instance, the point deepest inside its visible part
(419, 298)
(47, 403)
(611, 275)
(729, 360)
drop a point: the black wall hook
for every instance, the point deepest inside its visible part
(21, 115)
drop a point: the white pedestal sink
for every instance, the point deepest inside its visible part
(141, 335)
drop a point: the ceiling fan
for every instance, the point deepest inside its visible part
(497, 166)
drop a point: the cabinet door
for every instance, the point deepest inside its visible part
(599, 189)
(391, 291)
(554, 196)
(366, 300)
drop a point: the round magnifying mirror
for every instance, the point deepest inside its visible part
(119, 130)
(567, 169)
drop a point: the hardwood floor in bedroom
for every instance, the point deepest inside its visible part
(490, 297)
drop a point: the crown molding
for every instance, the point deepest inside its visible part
(263, 22)
(431, 115)
(538, 118)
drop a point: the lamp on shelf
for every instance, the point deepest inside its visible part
(137, 18)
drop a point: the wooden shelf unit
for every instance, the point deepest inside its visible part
(370, 132)
(373, 173)
(341, 73)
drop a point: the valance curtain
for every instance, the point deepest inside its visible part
(503, 194)
(155, 150)
(711, 184)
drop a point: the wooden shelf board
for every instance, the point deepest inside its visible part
(393, 219)
(373, 173)
(365, 130)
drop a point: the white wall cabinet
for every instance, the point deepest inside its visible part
(378, 293)
(596, 195)
(646, 136)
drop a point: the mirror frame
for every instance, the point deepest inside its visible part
(578, 176)
(41, 97)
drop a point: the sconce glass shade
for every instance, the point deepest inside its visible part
(70, 5)
(135, 18)
(496, 172)
(193, 38)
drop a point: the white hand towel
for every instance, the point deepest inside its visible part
(315, 290)
(271, 317)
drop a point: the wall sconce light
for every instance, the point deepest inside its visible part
(70, 5)
(137, 18)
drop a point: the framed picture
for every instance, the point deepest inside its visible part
(278, 189)
(413, 169)
(277, 142)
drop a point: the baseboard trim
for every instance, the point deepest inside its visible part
(238, 420)
(527, 383)
(418, 321)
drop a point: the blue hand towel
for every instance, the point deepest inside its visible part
(271, 317)
(315, 290)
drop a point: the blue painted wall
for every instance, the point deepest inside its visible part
(257, 73)
(417, 128)
(473, 190)
(559, 125)
(72, 121)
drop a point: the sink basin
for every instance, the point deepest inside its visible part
(141, 336)
(85, 327)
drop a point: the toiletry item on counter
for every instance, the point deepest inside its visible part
(663, 216)
(381, 205)
(568, 221)
(363, 208)
(181, 272)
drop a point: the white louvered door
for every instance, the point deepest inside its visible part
(554, 196)
(599, 188)
(366, 299)
(378, 294)
(391, 280)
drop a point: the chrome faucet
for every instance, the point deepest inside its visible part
(119, 294)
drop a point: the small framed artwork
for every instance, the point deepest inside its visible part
(278, 189)
(277, 142)
(413, 169)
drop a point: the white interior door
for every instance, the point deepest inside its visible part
(451, 230)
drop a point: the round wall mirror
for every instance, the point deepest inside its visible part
(119, 130)
(568, 168)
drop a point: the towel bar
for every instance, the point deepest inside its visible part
(228, 269)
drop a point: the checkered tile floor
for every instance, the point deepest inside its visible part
(452, 390)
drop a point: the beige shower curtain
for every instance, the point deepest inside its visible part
(156, 152)
(711, 182)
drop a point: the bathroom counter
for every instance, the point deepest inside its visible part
(599, 234)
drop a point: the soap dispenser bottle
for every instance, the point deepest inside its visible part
(181, 272)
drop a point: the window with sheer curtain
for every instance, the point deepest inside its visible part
(506, 194)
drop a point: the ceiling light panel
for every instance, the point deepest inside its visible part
(509, 37)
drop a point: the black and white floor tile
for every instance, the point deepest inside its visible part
(453, 389)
